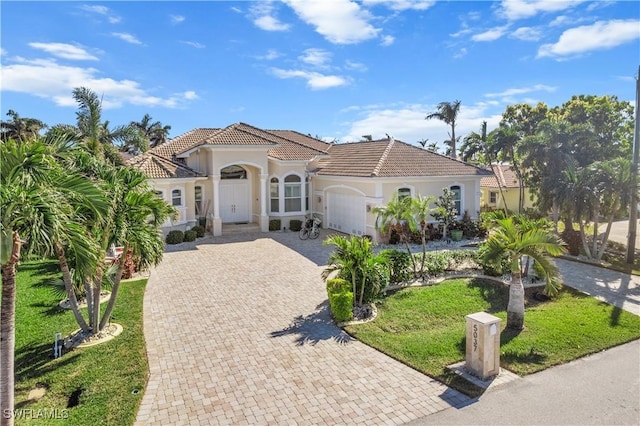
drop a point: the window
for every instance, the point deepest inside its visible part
(493, 197)
(233, 172)
(198, 200)
(160, 194)
(176, 197)
(457, 197)
(274, 191)
(292, 194)
(404, 193)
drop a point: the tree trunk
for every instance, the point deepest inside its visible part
(8, 334)
(583, 238)
(423, 235)
(504, 201)
(596, 213)
(454, 154)
(97, 289)
(605, 237)
(555, 213)
(515, 308)
(68, 285)
(88, 294)
(114, 291)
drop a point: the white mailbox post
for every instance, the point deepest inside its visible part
(483, 345)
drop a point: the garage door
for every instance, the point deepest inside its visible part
(346, 213)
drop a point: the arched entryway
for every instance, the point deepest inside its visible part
(235, 195)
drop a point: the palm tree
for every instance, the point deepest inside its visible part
(393, 217)
(420, 210)
(510, 239)
(154, 133)
(20, 128)
(448, 113)
(98, 137)
(38, 198)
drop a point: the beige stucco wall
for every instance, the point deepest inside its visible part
(511, 197)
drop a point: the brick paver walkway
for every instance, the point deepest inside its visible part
(238, 332)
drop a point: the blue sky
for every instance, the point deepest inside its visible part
(337, 69)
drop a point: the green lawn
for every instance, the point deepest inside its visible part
(425, 328)
(111, 375)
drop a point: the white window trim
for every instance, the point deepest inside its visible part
(462, 206)
(182, 196)
(279, 212)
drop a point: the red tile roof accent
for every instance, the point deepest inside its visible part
(157, 167)
(505, 175)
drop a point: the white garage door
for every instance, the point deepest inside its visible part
(346, 213)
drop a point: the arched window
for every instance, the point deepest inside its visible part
(274, 192)
(404, 192)
(233, 172)
(176, 197)
(457, 197)
(292, 194)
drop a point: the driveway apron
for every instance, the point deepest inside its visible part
(238, 332)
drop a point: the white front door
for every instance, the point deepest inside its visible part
(234, 201)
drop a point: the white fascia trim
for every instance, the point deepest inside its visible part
(244, 148)
(165, 181)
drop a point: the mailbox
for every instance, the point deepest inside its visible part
(483, 345)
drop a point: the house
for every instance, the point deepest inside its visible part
(506, 179)
(243, 174)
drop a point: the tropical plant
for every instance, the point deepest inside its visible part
(20, 128)
(39, 201)
(99, 138)
(447, 112)
(509, 239)
(420, 210)
(394, 216)
(154, 134)
(353, 259)
(445, 211)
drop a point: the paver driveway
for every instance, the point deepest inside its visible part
(238, 332)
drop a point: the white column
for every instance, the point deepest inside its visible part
(216, 196)
(263, 194)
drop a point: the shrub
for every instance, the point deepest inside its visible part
(341, 304)
(340, 299)
(199, 230)
(190, 236)
(399, 264)
(437, 262)
(275, 225)
(295, 225)
(175, 237)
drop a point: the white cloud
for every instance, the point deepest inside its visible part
(339, 21)
(387, 40)
(270, 55)
(407, 122)
(461, 53)
(464, 31)
(315, 80)
(527, 33)
(3, 51)
(194, 44)
(564, 20)
(263, 15)
(356, 66)
(176, 19)
(129, 38)
(521, 9)
(508, 94)
(34, 77)
(598, 36)
(65, 51)
(400, 5)
(491, 35)
(102, 10)
(316, 57)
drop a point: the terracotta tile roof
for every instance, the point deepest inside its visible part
(505, 175)
(299, 138)
(391, 158)
(183, 142)
(157, 167)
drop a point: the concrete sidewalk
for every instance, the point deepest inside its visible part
(601, 389)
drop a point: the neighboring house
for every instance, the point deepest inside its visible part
(507, 179)
(242, 174)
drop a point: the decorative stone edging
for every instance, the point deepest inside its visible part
(105, 338)
(64, 303)
(374, 314)
(438, 280)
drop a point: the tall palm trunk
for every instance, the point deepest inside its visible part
(8, 333)
(97, 289)
(515, 308)
(605, 237)
(68, 285)
(114, 291)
